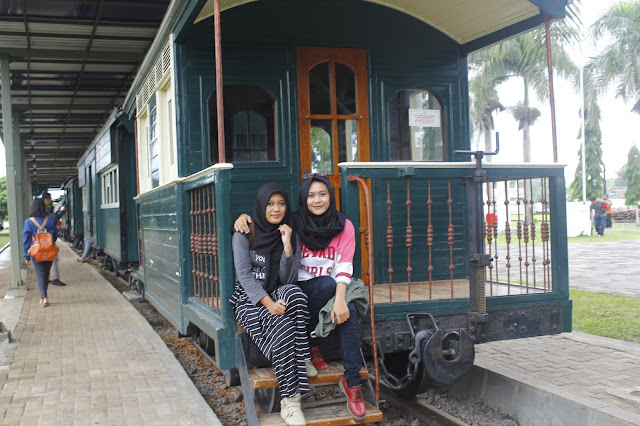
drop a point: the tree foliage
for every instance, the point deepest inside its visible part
(525, 57)
(592, 145)
(632, 175)
(618, 63)
(3, 199)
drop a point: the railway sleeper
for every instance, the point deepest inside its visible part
(262, 400)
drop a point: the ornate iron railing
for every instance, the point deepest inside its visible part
(420, 228)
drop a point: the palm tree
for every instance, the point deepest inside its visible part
(618, 63)
(525, 57)
(484, 103)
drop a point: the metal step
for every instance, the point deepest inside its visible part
(263, 378)
(334, 415)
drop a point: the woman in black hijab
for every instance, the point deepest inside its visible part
(326, 264)
(267, 305)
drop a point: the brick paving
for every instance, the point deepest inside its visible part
(91, 358)
(604, 369)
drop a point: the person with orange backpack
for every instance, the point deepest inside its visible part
(39, 237)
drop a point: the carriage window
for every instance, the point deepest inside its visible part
(109, 184)
(249, 125)
(416, 130)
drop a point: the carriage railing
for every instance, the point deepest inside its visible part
(208, 216)
(419, 229)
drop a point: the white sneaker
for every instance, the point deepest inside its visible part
(311, 370)
(291, 411)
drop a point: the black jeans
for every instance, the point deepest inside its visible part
(42, 275)
(319, 290)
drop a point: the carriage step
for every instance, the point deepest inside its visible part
(334, 415)
(263, 378)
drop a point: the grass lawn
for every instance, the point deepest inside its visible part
(4, 237)
(606, 315)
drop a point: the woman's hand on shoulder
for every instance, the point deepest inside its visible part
(242, 223)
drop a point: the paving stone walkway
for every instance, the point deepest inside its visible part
(91, 358)
(604, 369)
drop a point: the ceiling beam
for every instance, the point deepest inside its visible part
(73, 55)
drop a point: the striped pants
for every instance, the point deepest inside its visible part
(281, 338)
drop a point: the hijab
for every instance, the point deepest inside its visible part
(266, 238)
(316, 232)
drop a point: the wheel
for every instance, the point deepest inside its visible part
(268, 400)
(396, 364)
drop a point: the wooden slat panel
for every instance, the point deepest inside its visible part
(334, 415)
(262, 378)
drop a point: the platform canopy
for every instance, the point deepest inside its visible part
(71, 63)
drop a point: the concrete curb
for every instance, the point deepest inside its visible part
(534, 403)
(4, 247)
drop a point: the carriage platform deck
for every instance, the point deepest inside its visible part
(77, 362)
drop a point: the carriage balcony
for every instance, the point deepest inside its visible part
(417, 215)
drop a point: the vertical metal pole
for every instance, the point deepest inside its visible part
(582, 135)
(13, 193)
(552, 100)
(217, 35)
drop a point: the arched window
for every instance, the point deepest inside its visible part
(416, 128)
(249, 125)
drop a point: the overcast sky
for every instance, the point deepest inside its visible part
(617, 121)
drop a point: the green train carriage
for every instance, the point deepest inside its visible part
(376, 95)
(101, 197)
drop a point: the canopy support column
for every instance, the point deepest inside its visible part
(217, 40)
(552, 99)
(15, 166)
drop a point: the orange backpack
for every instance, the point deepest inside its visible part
(43, 248)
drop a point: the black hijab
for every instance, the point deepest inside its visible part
(266, 238)
(316, 232)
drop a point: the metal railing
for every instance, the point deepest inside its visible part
(420, 229)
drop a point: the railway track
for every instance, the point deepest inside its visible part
(426, 413)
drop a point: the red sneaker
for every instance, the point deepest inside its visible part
(317, 360)
(355, 403)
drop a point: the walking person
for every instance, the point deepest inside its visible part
(599, 209)
(39, 214)
(608, 223)
(267, 302)
(54, 274)
(326, 266)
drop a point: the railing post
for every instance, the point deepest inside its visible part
(559, 246)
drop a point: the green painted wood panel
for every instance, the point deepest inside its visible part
(161, 253)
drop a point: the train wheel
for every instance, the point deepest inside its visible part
(268, 400)
(396, 364)
(206, 343)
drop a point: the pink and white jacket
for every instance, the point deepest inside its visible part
(335, 260)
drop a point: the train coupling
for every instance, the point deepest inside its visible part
(445, 356)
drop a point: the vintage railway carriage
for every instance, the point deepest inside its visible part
(374, 93)
(101, 198)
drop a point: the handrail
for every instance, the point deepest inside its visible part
(368, 239)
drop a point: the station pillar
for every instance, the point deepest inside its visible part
(15, 165)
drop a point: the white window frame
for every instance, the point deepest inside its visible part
(110, 185)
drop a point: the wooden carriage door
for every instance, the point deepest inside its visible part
(333, 115)
(333, 110)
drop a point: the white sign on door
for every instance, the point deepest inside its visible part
(424, 117)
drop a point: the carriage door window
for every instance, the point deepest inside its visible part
(416, 132)
(333, 109)
(154, 145)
